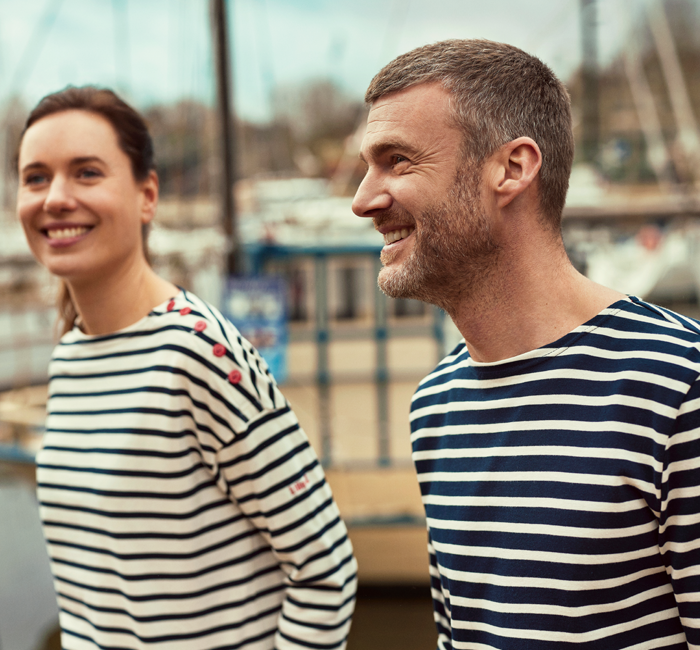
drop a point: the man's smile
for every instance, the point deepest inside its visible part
(396, 235)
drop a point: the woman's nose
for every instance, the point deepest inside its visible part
(60, 198)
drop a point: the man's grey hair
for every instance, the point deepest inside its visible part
(498, 93)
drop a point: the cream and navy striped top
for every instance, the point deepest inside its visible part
(182, 505)
(562, 489)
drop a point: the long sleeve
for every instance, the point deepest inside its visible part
(273, 475)
(679, 533)
(261, 460)
(182, 504)
(442, 620)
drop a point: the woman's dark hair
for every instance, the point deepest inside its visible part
(132, 132)
(133, 138)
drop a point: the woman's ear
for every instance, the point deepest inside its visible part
(149, 197)
(518, 163)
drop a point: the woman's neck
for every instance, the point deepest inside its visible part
(110, 305)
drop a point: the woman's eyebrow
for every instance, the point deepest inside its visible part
(33, 165)
(79, 160)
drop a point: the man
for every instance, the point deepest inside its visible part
(557, 445)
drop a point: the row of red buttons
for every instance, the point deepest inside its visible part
(218, 350)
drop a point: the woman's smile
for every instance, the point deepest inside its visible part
(61, 235)
(79, 203)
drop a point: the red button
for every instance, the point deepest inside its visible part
(219, 350)
(200, 326)
(171, 305)
(235, 376)
(184, 311)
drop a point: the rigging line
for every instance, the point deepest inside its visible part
(349, 160)
(183, 73)
(199, 82)
(550, 27)
(268, 74)
(265, 53)
(183, 108)
(179, 41)
(195, 65)
(35, 44)
(122, 59)
(186, 67)
(397, 21)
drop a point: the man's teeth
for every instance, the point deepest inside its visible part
(395, 235)
(66, 233)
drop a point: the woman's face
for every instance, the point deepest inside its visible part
(79, 204)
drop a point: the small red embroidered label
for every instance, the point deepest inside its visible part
(300, 484)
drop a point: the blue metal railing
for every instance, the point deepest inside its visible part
(258, 259)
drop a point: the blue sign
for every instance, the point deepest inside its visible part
(257, 306)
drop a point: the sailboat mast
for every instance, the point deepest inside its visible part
(224, 102)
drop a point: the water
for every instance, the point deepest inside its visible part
(387, 617)
(28, 610)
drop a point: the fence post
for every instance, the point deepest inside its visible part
(382, 371)
(322, 371)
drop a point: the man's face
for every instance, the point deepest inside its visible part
(424, 199)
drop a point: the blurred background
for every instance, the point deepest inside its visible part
(256, 108)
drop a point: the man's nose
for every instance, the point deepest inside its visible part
(60, 197)
(371, 196)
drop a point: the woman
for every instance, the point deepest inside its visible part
(182, 505)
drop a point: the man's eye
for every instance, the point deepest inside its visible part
(396, 159)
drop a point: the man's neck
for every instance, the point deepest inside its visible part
(531, 301)
(113, 304)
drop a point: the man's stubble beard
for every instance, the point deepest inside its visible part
(454, 252)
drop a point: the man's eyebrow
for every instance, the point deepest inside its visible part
(376, 150)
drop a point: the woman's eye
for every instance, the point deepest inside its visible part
(35, 179)
(89, 173)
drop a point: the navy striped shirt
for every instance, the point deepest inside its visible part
(182, 505)
(562, 488)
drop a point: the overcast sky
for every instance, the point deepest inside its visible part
(160, 50)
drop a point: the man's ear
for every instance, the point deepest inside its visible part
(149, 197)
(517, 164)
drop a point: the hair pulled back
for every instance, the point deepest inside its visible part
(134, 140)
(131, 129)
